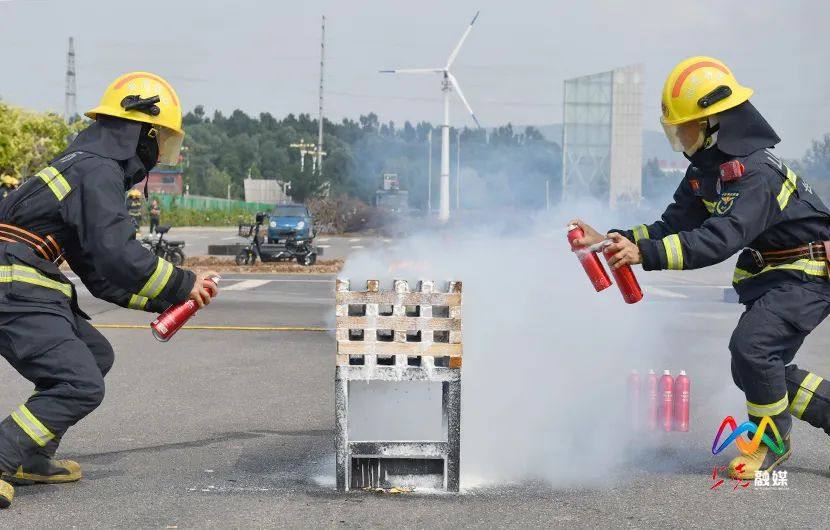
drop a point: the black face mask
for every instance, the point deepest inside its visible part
(148, 147)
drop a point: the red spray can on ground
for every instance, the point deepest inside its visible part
(168, 323)
(634, 401)
(626, 281)
(651, 401)
(682, 392)
(590, 261)
(666, 400)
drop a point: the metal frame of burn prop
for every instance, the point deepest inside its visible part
(398, 335)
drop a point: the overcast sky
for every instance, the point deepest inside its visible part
(264, 55)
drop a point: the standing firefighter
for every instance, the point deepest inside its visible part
(134, 204)
(74, 210)
(738, 196)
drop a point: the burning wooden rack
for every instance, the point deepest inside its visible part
(398, 335)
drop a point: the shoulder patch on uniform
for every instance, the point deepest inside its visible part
(727, 199)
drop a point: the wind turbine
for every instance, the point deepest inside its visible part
(448, 83)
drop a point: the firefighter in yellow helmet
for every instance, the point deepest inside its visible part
(134, 208)
(73, 210)
(8, 184)
(738, 196)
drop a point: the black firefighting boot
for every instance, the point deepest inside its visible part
(809, 397)
(41, 468)
(762, 459)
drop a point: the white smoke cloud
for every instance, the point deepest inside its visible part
(545, 357)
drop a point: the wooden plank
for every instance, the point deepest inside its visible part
(400, 323)
(392, 298)
(436, 349)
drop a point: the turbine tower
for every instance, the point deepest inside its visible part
(448, 83)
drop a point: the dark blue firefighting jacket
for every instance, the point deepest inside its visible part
(767, 208)
(74, 208)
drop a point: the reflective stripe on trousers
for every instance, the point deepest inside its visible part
(768, 409)
(36, 430)
(805, 393)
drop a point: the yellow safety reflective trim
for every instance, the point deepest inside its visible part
(787, 189)
(22, 273)
(158, 280)
(805, 394)
(769, 409)
(710, 205)
(53, 178)
(137, 302)
(36, 430)
(640, 232)
(674, 252)
(807, 266)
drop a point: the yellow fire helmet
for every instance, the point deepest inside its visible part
(9, 181)
(697, 88)
(148, 98)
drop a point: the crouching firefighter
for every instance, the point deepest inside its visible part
(73, 211)
(738, 196)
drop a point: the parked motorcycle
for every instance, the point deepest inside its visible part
(163, 248)
(286, 246)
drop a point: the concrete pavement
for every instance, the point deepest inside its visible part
(219, 429)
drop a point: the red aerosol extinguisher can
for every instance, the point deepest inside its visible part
(589, 260)
(682, 392)
(651, 401)
(634, 402)
(626, 281)
(666, 399)
(168, 323)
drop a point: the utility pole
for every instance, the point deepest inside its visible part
(319, 160)
(70, 104)
(458, 170)
(547, 194)
(429, 171)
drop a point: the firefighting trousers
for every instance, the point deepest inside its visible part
(768, 335)
(67, 365)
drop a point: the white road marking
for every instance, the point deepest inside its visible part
(663, 292)
(323, 246)
(357, 246)
(246, 284)
(230, 238)
(354, 240)
(322, 239)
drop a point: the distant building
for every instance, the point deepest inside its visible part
(167, 181)
(266, 191)
(390, 197)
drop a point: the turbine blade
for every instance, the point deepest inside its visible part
(454, 53)
(413, 71)
(458, 91)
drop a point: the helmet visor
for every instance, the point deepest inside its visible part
(687, 137)
(170, 145)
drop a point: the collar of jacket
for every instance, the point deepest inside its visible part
(109, 137)
(743, 131)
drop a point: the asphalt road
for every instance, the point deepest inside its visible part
(220, 429)
(197, 240)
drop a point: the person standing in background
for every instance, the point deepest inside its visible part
(155, 213)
